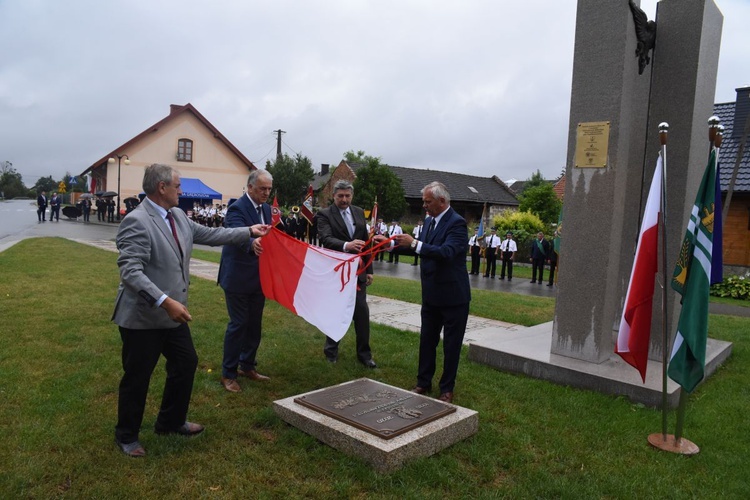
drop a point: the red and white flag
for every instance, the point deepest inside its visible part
(307, 208)
(635, 327)
(318, 284)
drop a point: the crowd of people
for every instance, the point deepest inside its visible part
(541, 253)
(209, 215)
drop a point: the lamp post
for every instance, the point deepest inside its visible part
(112, 161)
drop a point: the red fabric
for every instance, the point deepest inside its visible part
(275, 213)
(306, 209)
(279, 283)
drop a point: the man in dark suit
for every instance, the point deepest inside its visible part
(342, 227)
(239, 277)
(539, 252)
(54, 210)
(155, 242)
(445, 288)
(41, 203)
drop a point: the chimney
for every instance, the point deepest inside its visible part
(324, 168)
(741, 111)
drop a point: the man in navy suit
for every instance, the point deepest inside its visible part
(240, 279)
(445, 288)
(342, 227)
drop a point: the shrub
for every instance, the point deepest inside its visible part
(737, 287)
(523, 225)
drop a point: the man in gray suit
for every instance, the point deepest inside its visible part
(155, 242)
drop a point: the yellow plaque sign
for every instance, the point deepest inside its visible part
(592, 144)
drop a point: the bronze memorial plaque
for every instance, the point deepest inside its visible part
(374, 407)
(592, 144)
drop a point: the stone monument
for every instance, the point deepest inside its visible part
(612, 152)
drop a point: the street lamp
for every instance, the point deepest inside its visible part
(112, 161)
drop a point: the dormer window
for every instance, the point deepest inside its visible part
(184, 150)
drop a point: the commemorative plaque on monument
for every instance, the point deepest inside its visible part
(375, 407)
(378, 423)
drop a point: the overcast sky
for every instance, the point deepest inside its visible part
(480, 87)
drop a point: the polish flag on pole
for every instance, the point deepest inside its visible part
(635, 327)
(317, 284)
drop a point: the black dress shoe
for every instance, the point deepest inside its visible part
(549, 284)
(187, 429)
(369, 363)
(446, 397)
(421, 390)
(534, 281)
(134, 449)
(332, 359)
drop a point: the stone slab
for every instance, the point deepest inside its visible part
(384, 455)
(528, 353)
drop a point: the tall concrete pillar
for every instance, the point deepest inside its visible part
(601, 202)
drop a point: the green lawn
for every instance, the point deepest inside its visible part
(60, 366)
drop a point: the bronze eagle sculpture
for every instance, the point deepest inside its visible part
(645, 33)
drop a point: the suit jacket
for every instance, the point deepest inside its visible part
(151, 264)
(333, 233)
(238, 271)
(536, 253)
(445, 281)
(41, 201)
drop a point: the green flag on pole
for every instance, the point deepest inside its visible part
(691, 279)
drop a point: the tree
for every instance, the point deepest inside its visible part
(11, 182)
(291, 178)
(535, 180)
(45, 184)
(376, 181)
(542, 201)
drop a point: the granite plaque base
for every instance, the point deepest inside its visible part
(443, 426)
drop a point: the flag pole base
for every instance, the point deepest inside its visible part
(682, 447)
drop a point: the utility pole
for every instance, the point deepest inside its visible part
(278, 144)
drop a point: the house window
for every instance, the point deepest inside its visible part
(184, 150)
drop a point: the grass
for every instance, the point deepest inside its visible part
(60, 366)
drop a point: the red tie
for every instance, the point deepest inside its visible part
(174, 230)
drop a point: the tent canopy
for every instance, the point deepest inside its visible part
(195, 189)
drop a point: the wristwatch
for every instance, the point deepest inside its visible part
(413, 244)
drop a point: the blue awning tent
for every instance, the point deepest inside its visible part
(195, 189)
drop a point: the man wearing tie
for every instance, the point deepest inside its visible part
(475, 248)
(155, 242)
(41, 203)
(239, 277)
(492, 242)
(445, 289)
(342, 227)
(54, 211)
(508, 248)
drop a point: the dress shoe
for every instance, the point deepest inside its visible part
(332, 359)
(188, 429)
(369, 363)
(134, 449)
(549, 284)
(420, 390)
(538, 282)
(446, 397)
(252, 375)
(533, 281)
(231, 384)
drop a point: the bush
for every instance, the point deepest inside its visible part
(737, 287)
(523, 225)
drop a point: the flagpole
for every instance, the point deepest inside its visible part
(663, 132)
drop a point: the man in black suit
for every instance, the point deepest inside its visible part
(539, 252)
(445, 288)
(240, 279)
(41, 203)
(54, 211)
(342, 227)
